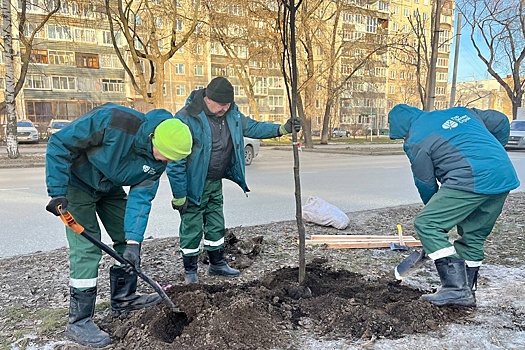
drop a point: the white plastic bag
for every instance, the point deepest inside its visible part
(321, 212)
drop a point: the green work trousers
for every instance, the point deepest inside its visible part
(473, 214)
(84, 256)
(204, 220)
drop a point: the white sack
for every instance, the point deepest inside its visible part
(321, 212)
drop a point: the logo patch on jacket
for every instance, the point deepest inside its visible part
(148, 169)
(455, 121)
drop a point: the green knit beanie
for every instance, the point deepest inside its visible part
(172, 138)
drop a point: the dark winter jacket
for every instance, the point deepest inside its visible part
(105, 149)
(187, 176)
(459, 148)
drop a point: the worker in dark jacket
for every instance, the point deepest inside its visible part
(217, 128)
(463, 175)
(87, 163)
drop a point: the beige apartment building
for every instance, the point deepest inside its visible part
(74, 66)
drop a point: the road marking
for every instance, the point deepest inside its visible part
(14, 189)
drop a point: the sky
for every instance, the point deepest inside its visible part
(470, 67)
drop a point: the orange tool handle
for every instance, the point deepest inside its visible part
(70, 221)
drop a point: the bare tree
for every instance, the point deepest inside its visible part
(287, 28)
(497, 32)
(26, 33)
(154, 30)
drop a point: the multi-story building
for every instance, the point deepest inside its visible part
(74, 66)
(411, 20)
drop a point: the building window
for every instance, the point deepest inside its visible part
(63, 58)
(180, 90)
(37, 82)
(64, 83)
(31, 27)
(179, 68)
(39, 111)
(109, 61)
(108, 40)
(39, 56)
(199, 70)
(112, 85)
(85, 35)
(59, 32)
(87, 60)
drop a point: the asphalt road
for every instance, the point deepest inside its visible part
(350, 182)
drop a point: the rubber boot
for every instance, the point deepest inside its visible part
(80, 327)
(123, 296)
(454, 286)
(190, 269)
(472, 278)
(218, 265)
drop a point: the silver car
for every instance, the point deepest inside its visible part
(517, 135)
(251, 149)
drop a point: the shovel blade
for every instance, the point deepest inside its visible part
(409, 264)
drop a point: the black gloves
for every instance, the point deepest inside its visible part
(180, 204)
(132, 255)
(53, 204)
(294, 123)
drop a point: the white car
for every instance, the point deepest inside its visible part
(251, 149)
(55, 125)
(26, 132)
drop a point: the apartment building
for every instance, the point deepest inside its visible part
(74, 66)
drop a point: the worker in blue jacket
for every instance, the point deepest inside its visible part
(217, 128)
(87, 165)
(463, 175)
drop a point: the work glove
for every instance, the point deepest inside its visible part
(292, 123)
(53, 204)
(180, 204)
(132, 255)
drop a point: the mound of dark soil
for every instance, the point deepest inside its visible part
(258, 315)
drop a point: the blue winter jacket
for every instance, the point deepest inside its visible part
(105, 149)
(459, 148)
(187, 176)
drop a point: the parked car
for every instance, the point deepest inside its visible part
(337, 132)
(517, 135)
(251, 149)
(55, 125)
(26, 132)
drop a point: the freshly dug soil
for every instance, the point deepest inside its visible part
(349, 298)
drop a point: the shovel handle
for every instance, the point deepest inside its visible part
(400, 234)
(70, 221)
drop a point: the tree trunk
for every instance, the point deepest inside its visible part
(11, 137)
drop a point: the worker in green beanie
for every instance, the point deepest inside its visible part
(218, 153)
(87, 164)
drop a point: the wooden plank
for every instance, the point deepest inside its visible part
(354, 237)
(360, 238)
(368, 245)
(320, 242)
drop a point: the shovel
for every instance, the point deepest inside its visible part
(401, 245)
(409, 264)
(68, 219)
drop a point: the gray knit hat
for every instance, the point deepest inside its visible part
(220, 90)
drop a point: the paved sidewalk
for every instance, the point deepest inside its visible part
(362, 149)
(34, 156)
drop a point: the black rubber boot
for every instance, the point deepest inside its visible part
(472, 278)
(190, 269)
(218, 266)
(123, 296)
(80, 327)
(454, 286)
